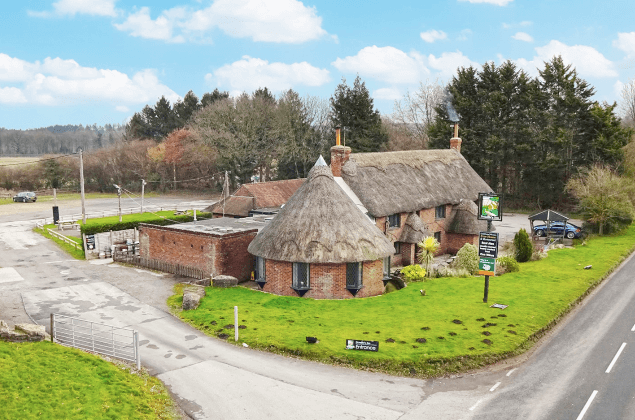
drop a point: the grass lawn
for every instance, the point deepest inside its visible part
(46, 380)
(78, 254)
(452, 319)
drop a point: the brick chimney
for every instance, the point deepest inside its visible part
(339, 156)
(455, 142)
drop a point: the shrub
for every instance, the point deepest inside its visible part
(506, 264)
(429, 246)
(523, 245)
(452, 272)
(467, 258)
(413, 273)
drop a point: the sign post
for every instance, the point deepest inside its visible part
(489, 208)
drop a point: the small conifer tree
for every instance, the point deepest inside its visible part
(523, 245)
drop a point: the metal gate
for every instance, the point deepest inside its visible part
(122, 343)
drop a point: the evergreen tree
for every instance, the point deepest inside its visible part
(353, 110)
(210, 98)
(183, 110)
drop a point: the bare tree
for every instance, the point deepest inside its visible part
(415, 110)
(627, 105)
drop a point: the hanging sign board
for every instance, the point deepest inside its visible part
(488, 244)
(486, 266)
(489, 207)
(362, 345)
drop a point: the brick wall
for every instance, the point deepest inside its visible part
(327, 281)
(455, 241)
(216, 254)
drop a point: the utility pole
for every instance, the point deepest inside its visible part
(81, 185)
(143, 184)
(118, 195)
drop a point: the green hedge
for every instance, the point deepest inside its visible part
(96, 227)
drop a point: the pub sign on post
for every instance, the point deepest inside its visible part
(489, 207)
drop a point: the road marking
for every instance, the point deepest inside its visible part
(510, 372)
(9, 274)
(608, 370)
(633, 329)
(494, 387)
(586, 406)
(474, 406)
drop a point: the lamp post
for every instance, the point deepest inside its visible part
(119, 196)
(143, 184)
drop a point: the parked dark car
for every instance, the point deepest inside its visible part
(555, 228)
(25, 197)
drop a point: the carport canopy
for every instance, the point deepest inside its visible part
(548, 216)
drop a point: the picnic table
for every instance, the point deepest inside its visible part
(68, 224)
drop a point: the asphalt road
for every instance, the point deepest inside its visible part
(213, 379)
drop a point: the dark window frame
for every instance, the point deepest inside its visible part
(356, 272)
(394, 220)
(437, 236)
(397, 246)
(295, 282)
(439, 212)
(386, 267)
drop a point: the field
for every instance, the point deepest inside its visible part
(49, 381)
(17, 160)
(449, 330)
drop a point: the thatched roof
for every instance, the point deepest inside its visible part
(321, 224)
(407, 181)
(257, 195)
(464, 219)
(414, 230)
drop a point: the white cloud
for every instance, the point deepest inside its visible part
(449, 62)
(57, 81)
(85, 7)
(141, 24)
(433, 35)
(251, 73)
(389, 94)
(464, 34)
(494, 2)
(387, 64)
(122, 108)
(512, 25)
(523, 36)
(284, 21)
(12, 95)
(587, 60)
(617, 88)
(626, 42)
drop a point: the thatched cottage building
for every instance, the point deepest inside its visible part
(412, 194)
(320, 245)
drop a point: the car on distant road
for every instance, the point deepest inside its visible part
(25, 197)
(571, 231)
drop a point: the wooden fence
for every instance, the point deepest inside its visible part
(158, 265)
(64, 238)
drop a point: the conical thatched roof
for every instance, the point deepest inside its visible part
(465, 219)
(321, 224)
(414, 230)
(406, 181)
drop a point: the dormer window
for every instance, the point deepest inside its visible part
(439, 212)
(394, 220)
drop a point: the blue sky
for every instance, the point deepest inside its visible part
(99, 61)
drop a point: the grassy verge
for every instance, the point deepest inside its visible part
(45, 380)
(78, 254)
(449, 330)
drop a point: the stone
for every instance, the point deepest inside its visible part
(224, 281)
(4, 327)
(203, 282)
(33, 331)
(192, 295)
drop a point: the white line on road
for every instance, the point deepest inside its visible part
(608, 370)
(586, 406)
(510, 372)
(633, 329)
(474, 406)
(494, 387)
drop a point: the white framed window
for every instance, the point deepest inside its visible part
(386, 267)
(394, 220)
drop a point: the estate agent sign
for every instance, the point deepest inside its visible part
(362, 345)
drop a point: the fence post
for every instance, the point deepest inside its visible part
(52, 331)
(136, 346)
(235, 323)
